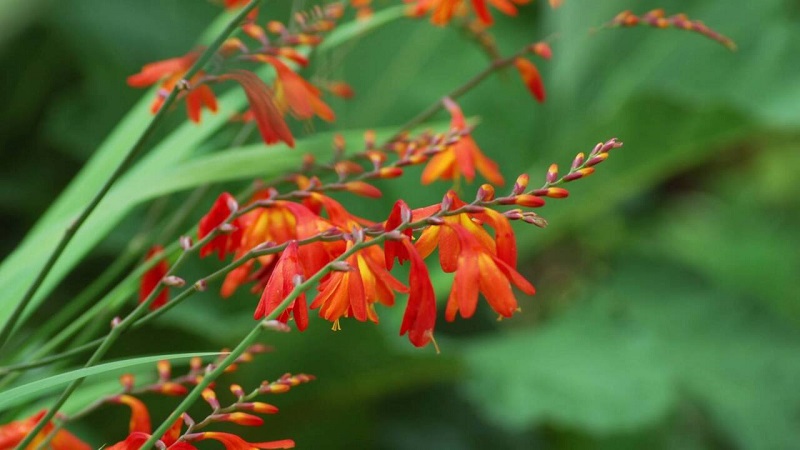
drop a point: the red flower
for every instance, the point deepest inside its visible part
(152, 278)
(13, 433)
(225, 242)
(461, 158)
(263, 107)
(342, 294)
(280, 284)
(293, 93)
(171, 71)
(478, 270)
(419, 318)
(531, 77)
(444, 10)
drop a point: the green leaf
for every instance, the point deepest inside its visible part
(27, 392)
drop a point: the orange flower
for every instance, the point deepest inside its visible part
(503, 244)
(263, 107)
(225, 242)
(531, 77)
(233, 442)
(293, 93)
(13, 433)
(171, 71)
(478, 270)
(461, 158)
(342, 293)
(152, 278)
(140, 417)
(444, 10)
(280, 284)
(419, 317)
(281, 222)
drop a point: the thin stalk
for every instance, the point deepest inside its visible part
(72, 229)
(248, 340)
(137, 148)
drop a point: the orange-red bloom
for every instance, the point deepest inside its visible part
(13, 433)
(293, 93)
(280, 285)
(223, 243)
(152, 278)
(444, 10)
(171, 71)
(461, 158)
(531, 77)
(478, 270)
(263, 107)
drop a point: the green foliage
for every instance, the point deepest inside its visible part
(667, 308)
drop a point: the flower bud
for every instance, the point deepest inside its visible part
(185, 242)
(275, 325)
(585, 172)
(485, 193)
(521, 184)
(173, 281)
(530, 201)
(579, 159)
(552, 173)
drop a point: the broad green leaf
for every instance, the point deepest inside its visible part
(19, 395)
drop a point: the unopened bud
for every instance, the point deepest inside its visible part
(597, 159)
(263, 246)
(160, 445)
(341, 266)
(534, 219)
(275, 325)
(237, 390)
(173, 281)
(183, 85)
(405, 213)
(557, 192)
(447, 202)
(530, 201)
(188, 421)
(185, 242)
(579, 159)
(585, 172)
(521, 184)
(358, 235)
(542, 49)
(394, 235)
(115, 322)
(164, 370)
(127, 382)
(211, 398)
(552, 173)
(226, 228)
(369, 139)
(513, 214)
(435, 220)
(201, 285)
(390, 172)
(485, 193)
(233, 205)
(474, 209)
(298, 279)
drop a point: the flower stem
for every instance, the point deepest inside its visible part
(248, 340)
(75, 226)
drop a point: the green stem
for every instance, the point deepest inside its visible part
(248, 340)
(138, 146)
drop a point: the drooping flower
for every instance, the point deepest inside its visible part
(293, 93)
(13, 433)
(342, 293)
(263, 107)
(444, 10)
(419, 318)
(280, 285)
(478, 270)
(152, 278)
(140, 417)
(170, 72)
(223, 243)
(462, 158)
(531, 77)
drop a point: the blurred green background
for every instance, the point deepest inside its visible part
(667, 312)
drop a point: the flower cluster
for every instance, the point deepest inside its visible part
(442, 11)
(658, 18)
(279, 240)
(273, 44)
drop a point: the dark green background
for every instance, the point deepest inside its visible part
(667, 312)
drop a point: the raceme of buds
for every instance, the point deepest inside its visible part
(657, 18)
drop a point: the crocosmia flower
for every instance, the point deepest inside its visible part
(462, 158)
(13, 433)
(169, 72)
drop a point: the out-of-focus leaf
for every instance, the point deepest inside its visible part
(19, 395)
(650, 335)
